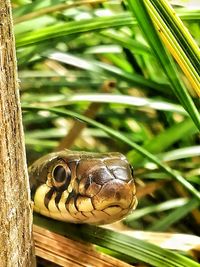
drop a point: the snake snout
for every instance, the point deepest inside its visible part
(110, 186)
(115, 193)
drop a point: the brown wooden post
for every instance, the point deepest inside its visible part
(16, 247)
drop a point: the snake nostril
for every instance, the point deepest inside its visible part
(118, 196)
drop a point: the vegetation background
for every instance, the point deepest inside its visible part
(119, 76)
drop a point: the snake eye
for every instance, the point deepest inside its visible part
(61, 175)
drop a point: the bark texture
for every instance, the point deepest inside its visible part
(15, 209)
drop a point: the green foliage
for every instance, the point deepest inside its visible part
(146, 93)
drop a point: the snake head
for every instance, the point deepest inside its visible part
(83, 187)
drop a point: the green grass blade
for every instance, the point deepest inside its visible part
(188, 14)
(181, 153)
(127, 100)
(174, 216)
(102, 68)
(44, 143)
(165, 139)
(24, 9)
(62, 100)
(180, 32)
(132, 247)
(136, 46)
(183, 49)
(63, 29)
(170, 204)
(139, 10)
(29, 26)
(124, 139)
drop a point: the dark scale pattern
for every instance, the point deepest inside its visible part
(48, 197)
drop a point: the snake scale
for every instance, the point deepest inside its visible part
(83, 187)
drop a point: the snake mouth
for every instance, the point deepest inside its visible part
(111, 203)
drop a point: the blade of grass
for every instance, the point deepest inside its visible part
(130, 246)
(124, 139)
(179, 31)
(38, 4)
(188, 14)
(125, 41)
(165, 139)
(61, 132)
(102, 68)
(55, 8)
(62, 100)
(119, 61)
(174, 216)
(38, 83)
(170, 204)
(177, 44)
(44, 143)
(29, 26)
(63, 29)
(127, 100)
(181, 153)
(139, 10)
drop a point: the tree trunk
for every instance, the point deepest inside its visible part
(16, 247)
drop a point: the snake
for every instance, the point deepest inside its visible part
(83, 187)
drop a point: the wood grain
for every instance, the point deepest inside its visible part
(15, 211)
(66, 252)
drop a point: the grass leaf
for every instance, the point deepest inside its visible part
(139, 10)
(132, 247)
